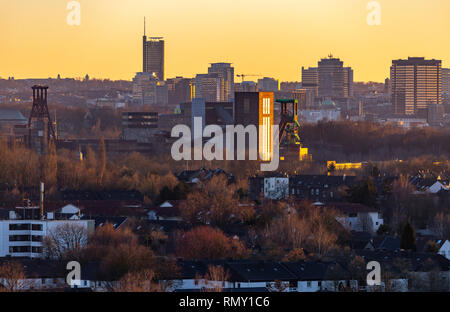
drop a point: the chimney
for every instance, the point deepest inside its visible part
(42, 200)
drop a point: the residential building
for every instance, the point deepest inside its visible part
(319, 188)
(357, 217)
(23, 232)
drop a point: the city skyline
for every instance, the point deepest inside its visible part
(108, 42)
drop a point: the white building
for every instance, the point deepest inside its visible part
(22, 234)
(357, 217)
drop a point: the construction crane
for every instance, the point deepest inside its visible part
(246, 75)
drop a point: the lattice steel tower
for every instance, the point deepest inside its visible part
(41, 131)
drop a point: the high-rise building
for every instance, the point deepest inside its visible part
(179, 90)
(148, 90)
(310, 79)
(153, 56)
(267, 84)
(208, 87)
(446, 80)
(226, 73)
(257, 108)
(415, 84)
(335, 80)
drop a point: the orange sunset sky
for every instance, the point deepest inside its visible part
(272, 38)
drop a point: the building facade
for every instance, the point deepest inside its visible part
(179, 90)
(22, 235)
(310, 79)
(335, 80)
(446, 80)
(226, 73)
(153, 56)
(415, 84)
(148, 90)
(267, 84)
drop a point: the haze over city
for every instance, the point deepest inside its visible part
(224, 148)
(268, 38)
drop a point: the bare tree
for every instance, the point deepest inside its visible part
(215, 279)
(12, 277)
(65, 240)
(141, 281)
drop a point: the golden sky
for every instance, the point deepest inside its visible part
(268, 37)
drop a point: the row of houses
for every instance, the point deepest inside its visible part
(399, 272)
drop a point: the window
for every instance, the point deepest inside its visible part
(36, 227)
(308, 284)
(19, 227)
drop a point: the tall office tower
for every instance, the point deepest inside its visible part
(310, 79)
(257, 108)
(226, 73)
(267, 84)
(446, 80)
(208, 87)
(415, 84)
(335, 81)
(153, 56)
(179, 90)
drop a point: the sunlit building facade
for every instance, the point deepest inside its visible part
(153, 56)
(257, 108)
(226, 73)
(415, 84)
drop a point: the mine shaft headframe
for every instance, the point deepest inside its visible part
(40, 111)
(284, 106)
(289, 120)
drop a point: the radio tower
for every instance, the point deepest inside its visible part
(41, 131)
